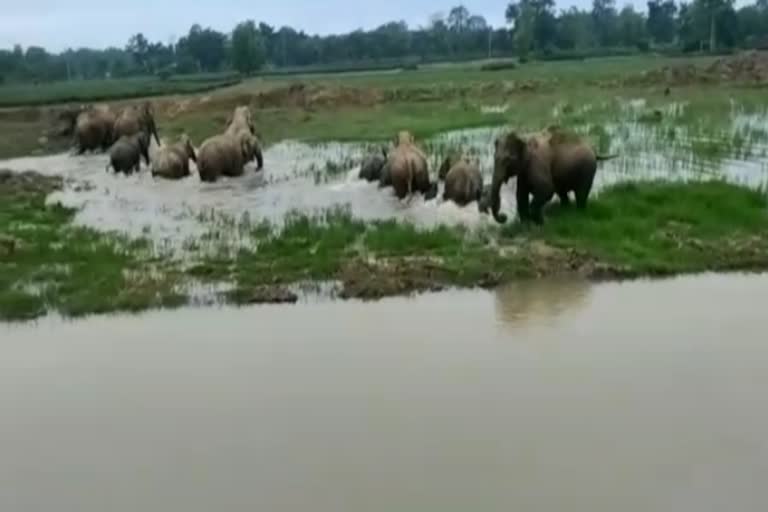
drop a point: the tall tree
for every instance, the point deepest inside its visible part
(248, 51)
(661, 21)
(605, 19)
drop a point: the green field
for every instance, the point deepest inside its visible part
(15, 95)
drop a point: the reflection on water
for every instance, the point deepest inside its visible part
(646, 396)
(532, 300)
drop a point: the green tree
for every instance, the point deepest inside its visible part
(632, 28)
(661, 21)
(138, 46)
(575, 29)
(248, 50)
(605, 20)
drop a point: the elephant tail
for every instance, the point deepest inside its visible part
(605, 158)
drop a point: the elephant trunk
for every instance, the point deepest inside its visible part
(498, 180)
(259, 158)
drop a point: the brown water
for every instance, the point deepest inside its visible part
(548, 396)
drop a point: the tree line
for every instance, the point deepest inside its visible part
(534, 28)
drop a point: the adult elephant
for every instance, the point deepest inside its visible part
(408, 169)
(133, 120)
(94, 129)
(241, 122)
(463, 181)
(546, 163)
(224, 155)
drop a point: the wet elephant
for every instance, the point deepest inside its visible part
(408, 169)
(546, 163)
(125, 155)
(224, 155)
(463, 181)
(241, 122)
(94, 129)
(372, 165)
(133, 120)
(172, 161)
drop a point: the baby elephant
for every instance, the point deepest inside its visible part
(172, 162)
(463, 181)
(370, 169)
(126, 154)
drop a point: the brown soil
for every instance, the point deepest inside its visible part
(747, 67)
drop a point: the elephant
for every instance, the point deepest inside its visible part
(408, 169)
(370, 169)
(224, 155)
(94, 129)
(545, 163)
(133, 120)
(172, 162)
(126, 154)
(463, 182)
(241, 121)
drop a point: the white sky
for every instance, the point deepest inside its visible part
(59, 24)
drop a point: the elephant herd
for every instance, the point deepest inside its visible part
(127, 138)
(546, 163)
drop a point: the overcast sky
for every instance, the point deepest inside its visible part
(59, 24)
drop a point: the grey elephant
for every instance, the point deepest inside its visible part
(224, 155)
(125, 155)
(133, 120)
(408, 169)
(241, 121)
(370, 168)
(545, 163)
(463, 181)
(94, 129)
(172, 161)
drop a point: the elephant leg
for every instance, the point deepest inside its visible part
(537, 207)
(582, 193)
(564, 199)
(522, 194)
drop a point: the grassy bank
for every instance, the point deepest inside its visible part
(47, 264)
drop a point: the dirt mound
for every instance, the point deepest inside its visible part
(749, 67)
(310, 96)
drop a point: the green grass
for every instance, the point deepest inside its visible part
(49, 265)
(666, 228)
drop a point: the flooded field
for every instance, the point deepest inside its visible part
(311, 179)
(548, 395)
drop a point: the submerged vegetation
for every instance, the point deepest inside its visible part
(632, 229)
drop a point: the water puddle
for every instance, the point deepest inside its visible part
(311, 179)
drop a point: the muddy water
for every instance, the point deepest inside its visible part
(297, 179)
(543, 396)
